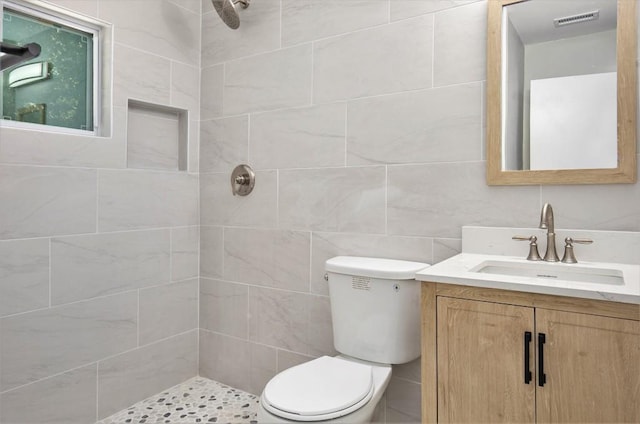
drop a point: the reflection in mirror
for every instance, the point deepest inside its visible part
(561, 91)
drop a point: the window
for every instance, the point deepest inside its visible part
(59, 87)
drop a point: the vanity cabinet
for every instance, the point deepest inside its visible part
(499, 356)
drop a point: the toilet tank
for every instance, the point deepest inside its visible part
(375, 308)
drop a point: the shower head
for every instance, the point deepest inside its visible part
(228, 11)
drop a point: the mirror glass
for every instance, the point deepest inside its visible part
(554, 95)
(559, 97)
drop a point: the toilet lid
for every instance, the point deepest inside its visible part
(321, 389)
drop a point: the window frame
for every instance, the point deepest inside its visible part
(74, 21)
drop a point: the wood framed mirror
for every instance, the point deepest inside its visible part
(536, 113)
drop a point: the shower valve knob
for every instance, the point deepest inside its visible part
(243, 179)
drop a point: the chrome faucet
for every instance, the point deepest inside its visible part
(546, 223)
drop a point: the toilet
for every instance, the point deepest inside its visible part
(375, 308)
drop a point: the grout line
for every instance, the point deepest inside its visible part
(277, 198)
(50, 272)
(98, 201)
(138, 320)
(386, 200)
(97, 234)
(310, 260)
(346, 132)
(248, 138)
(170, 255)
(171, 82)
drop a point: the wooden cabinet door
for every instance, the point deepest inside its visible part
(481, 366)
(592, 367)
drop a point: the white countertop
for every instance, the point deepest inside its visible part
(458, 270)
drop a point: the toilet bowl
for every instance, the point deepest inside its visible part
(375, 308)
(328, 389)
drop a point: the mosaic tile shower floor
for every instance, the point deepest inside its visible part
(198, 400)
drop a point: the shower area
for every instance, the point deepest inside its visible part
(100, 236)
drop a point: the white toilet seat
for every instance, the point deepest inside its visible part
(322, 389)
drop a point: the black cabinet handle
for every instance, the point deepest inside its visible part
(527, 356)
(542, 377)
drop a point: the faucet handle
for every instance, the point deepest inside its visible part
(569, 257)
(533, 247)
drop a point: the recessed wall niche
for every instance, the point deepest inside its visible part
(157, 136)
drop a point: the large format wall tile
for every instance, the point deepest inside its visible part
(292, 321)
(402, 9)
(41, 148)
(259, 32)
(212, 86)
(333, 199)
(211, 252)
(274, 258)
(288, 359)
(195, 6)
(42, 343)
(185, 88)
(397, 128)
(595, 207)
(225, 359)
(156, 26)
(299, 138)
(41, 201)
(224, 307)
(320, 327)
(460, 45)
(193, 147)
(436, 200)
(141, 76)
(168, 310)
(88, 266)
(445, 248)
(68, 398)
(238, 363)
(134, 199)
(220, 207)
(145, 371)
(87, 7)
(327, 245)
(268, 81)
(224, 143)
(403, 401)
(279, 318)
(24, 275)
(307, 20)
(381, 60)
(185, 253)
(263, 367)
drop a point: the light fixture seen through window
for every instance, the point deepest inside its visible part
(27, 74)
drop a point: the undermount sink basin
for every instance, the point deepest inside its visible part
(552, 271)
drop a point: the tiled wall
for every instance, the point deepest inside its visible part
(99, 261)
(365, 122)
